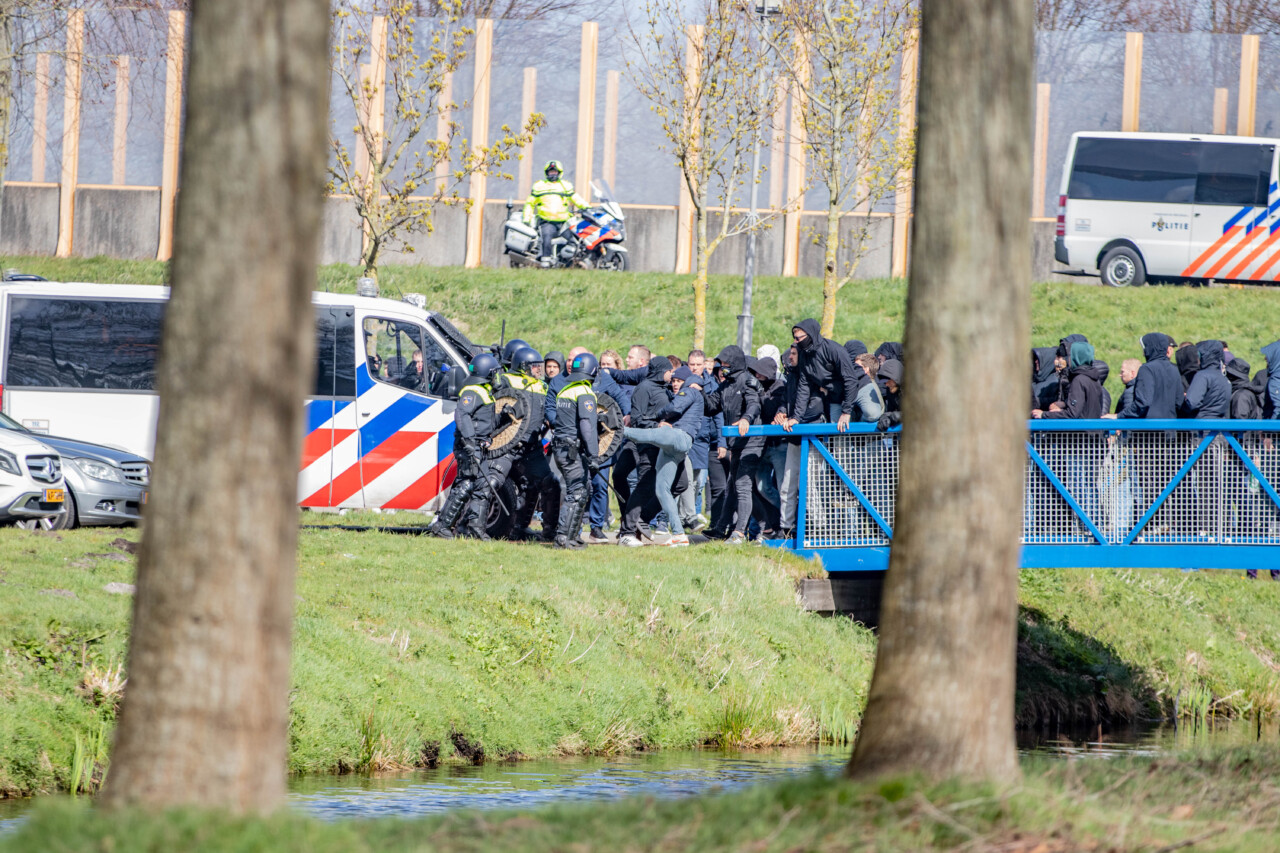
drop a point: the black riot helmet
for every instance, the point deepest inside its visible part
(584, 366)
(523, 360)
(484, 366)
(511, 348)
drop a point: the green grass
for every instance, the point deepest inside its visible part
(1220, 802)
(559, 309)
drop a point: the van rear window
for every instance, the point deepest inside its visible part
(335, 352)
(1134, 170)
(83, 343)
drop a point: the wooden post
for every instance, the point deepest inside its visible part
(172, 128)
(40, 119)
(795, 165)
(443, 119)
(479, 138)
(1248, 107)
(1220, 110)
(1041, 154)
(610, 165)
(527, 107)
(365, 73)
(1132, 81)
(120, 143)
(908, 81)
(778, 147)
(373, 77)
(684, 210)
(586, 108)
(70, 132)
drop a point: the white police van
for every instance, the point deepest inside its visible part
(78, 361)
(1170, 207)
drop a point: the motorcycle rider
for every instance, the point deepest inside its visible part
(532, 472)
(551, 203)
(576, 445)
(475, 420)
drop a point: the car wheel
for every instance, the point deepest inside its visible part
(70, 518)
(36, 523)
(1122, 267)
(612, 260)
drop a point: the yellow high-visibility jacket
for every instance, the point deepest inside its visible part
(552, 201)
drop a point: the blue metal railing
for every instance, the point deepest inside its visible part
(1099, 493)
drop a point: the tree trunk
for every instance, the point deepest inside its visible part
(205, 716)
(830, 267)
(941, 699)
(700, 259)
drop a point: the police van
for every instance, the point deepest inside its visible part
(1170, 207)
(78, 361)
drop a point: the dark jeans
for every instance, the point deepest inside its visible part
(644, 493)
(718, 481)
(548, 231)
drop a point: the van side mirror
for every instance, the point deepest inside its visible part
(456, 377)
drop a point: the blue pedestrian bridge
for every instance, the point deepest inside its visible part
(1096, 494)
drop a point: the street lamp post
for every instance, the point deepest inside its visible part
(765, 9)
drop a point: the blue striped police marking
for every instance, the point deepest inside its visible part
(1235, 219)
(390, 421)
(320, 412)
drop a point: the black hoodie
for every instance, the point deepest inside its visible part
(1064, 350)
(1188, 360)
(1209, 394)
(855, 348)
(1246, 402)
(1157, 389)
(650, 396)
(1044, 377)
(826, 372)
(888, 350)
(737, 398)
(1084, 397)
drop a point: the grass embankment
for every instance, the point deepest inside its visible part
(1224, 802)
(558, 309)
(401, 643)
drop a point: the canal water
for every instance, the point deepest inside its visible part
(530, 784)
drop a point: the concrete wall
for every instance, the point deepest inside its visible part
(339, 232)
(29, 221)
(119, 223)
(876, 262)
(730, 257)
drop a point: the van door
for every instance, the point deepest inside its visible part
(1233, 233)
(405, 414)
(330, 444)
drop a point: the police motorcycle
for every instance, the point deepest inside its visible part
(591, 239)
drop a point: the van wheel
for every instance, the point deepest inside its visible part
(1122, 267)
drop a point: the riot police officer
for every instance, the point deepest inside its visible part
(476, 421)
(575, 443)
(532, 473)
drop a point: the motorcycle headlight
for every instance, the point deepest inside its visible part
(98, 470)
(9, 463)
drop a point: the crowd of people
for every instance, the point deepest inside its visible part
(667, 463)
(648, 428)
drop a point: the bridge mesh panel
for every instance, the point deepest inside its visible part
(834, 516)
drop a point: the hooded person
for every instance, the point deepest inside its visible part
(889, 350)
(772, 353)
(891, 375)
(1044, 377)
(771, 478)
(1246, 402)
(1157, 389)
(1187, 358)
(738, 399)
(678, 422)
(855, 348)
(1209, 394)
(1063, 354)
(648, 400)
(1271, 401)
(1084, 389)
(825, 372)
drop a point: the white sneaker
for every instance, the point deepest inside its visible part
(629, 541)
(678, 541)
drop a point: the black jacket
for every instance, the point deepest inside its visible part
(1084, 393)
(737, 398)
(651, 395)
(1188, 360)
(1209, 394)
(1044, 377)
(1246, 401)
(825, 371)
(1064, 378)
(855, 348)
(1157, 389)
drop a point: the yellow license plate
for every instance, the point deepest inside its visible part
(145, 495)
(53, 496)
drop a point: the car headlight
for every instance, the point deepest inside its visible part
(99, 470)
(9, 463)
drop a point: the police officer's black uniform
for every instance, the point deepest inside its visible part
(476, 421)
(531, 472)
(575, 443)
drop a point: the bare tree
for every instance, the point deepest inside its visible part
(393, 177)
(942, 695)
(847, 51)
(697, 65)
(205, 718)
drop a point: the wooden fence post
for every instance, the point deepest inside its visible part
(684, 210)
(120, 142)
(528, 101)
(70, 132)
(174, 68)
(479, 138)
(586, 148)
(610, 164)
(1041, 153)
(908, 82)
(373, 100)
(443, 119)
(1220, 110)
(778, 147)
(795, 166)
(40, 119)
(1247, 110)
(1132, 81)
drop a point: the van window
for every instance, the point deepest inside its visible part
(1234, 174)
(83, 343)
(1134, 170)
(400, 352)
(335, 351)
